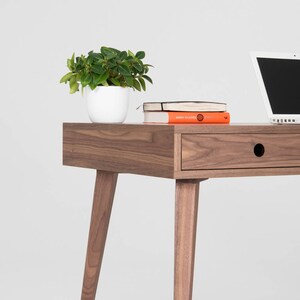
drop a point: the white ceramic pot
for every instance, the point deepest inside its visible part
(107, 104)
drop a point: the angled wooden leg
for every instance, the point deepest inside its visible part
(102, 205)
(187, 192)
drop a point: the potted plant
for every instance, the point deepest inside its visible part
(105, 78)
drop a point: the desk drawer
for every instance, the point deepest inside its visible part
(239, 151)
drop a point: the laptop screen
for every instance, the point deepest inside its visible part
(282, 83)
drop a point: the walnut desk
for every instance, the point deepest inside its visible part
(186, 153)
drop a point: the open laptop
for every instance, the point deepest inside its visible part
(279, 80)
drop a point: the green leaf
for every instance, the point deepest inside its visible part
(78, 68)
(130, 53)
(89, 78)
(98, 69)
(74, 87)
(129, 59)
(86, 79)
(66, 77)
(138, 67)
(114, 50)
(72, 79)
(108, 52)
(146, 68)
(124, 70)
(140, 55)
(96, 56)
(115, 81)
(99, 79)
(71, 63)
(105, 50)
(136, 85)
(78, 76)
(92, 86)
(90, 59)
(128, 80)
(147, 78)
(142, 82)
(122, 55)
(111, 64)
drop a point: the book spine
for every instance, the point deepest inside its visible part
(199, 117)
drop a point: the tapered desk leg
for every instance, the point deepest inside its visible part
(187, 192)
(102, 205)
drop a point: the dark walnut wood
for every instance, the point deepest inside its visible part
(186, 211)
(147, 150)
(103, 199)
(184, 151)
(188, 153)
(234, 151)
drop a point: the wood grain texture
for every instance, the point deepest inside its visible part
(145, 150)
(221, 173)
(177, 153)
(103, 199)
(186, 152)
(236, 128)
(236, 151)
(186, 209)
(183, 151)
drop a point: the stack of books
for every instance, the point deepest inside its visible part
(200, 112)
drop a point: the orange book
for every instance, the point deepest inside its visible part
(186, 117)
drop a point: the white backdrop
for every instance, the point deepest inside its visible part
(248, 240)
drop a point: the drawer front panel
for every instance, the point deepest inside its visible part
(239, 151)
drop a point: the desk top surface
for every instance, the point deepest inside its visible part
(196, 128)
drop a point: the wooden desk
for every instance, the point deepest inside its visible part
(187, 153)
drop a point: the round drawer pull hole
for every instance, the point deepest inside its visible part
(259, 150)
